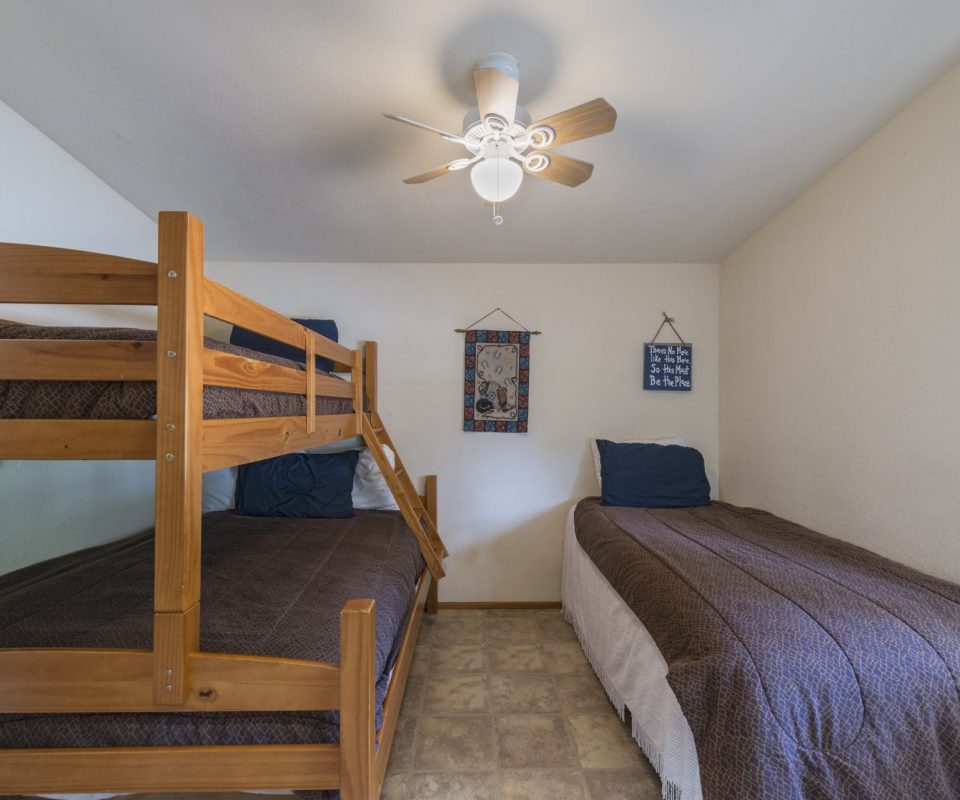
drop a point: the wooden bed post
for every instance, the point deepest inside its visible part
(176, 627)
(358, 650)
(370, 375)
(430, 503)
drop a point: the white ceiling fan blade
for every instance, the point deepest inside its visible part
(450, 137)
(496, 94)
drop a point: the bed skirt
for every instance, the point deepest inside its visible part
(631, 669)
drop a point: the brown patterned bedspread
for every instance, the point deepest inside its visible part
(138, 399)
(271, 586)
(808, 669)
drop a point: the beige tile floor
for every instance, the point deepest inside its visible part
(502, 705)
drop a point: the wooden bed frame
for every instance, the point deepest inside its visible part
(176, 676)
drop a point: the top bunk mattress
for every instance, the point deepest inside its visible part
(808, 668)
(271, 587)
(138, 399)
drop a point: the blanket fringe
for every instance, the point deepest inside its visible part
(669, 791)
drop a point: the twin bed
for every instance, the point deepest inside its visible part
(111, 679)
(758, 659)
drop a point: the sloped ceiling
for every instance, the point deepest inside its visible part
(263, 116)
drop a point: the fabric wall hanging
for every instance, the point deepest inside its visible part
(496, 379)
(667, 367)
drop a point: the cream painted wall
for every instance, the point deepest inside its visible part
(47, 197)
(840, 323)
(504, 497)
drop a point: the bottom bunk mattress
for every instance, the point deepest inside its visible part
(806, 668)
(271, 587)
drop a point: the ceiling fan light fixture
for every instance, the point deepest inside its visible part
(504, 142)
(496, 179)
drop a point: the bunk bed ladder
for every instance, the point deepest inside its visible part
(404, 477)
(414, 513)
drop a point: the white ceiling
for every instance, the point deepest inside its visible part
(263, 118)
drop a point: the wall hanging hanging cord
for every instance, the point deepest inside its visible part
(491, 313)
(667, 320)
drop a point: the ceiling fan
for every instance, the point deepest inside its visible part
(504, 142)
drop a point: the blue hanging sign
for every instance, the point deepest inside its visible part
(667, 367)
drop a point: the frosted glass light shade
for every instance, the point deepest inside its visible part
(496, 179)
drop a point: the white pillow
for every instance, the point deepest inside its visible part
(370, 490)
(596, 452)
(219, 489)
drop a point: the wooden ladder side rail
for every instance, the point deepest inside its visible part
(428, 520)
(169, 769)
(404, 499)
(103, 681)
(176, 620)
(35, 274)
(358, 651)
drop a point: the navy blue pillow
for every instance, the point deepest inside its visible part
(262, 344)
(652, 475)
(298, 485)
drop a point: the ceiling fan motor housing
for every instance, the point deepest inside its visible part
(504, 62)
(521, 117)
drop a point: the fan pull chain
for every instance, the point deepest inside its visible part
(497, 219)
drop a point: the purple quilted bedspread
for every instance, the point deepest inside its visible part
(808, 669)
(138, 399)
(271, 586)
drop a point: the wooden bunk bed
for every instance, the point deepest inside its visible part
(176, 676)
